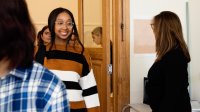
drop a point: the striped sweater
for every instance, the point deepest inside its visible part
(75, 70)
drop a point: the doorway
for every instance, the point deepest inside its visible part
(113, 16)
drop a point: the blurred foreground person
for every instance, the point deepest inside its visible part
(25, 86)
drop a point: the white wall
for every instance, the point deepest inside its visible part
(140, 63)
(194, 46)
(92, 19)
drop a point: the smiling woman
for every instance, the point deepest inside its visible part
(102, 14)
(66, 57)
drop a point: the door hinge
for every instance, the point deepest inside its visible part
(110, 69)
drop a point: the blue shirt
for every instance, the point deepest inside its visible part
(33, 89)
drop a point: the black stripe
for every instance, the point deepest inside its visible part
(85, 69)
(78, 110)
(90, 91)
(56, 54)
(72, 85)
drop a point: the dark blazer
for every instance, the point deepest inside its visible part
(167, 87)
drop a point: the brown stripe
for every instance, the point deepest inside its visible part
(81, 105)
(88, 58)
(65, 65)
(77, 105)
(95, 109)
(71, 49)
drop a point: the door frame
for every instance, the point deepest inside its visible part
(121, 51)
(121, 54)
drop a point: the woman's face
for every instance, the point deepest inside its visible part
(63, 26)
(46, 36)
(153, 26)
(96, 39)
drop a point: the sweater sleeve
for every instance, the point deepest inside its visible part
(88, 84)
(40, 54)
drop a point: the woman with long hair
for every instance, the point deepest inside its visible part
(66, 57)
(167, 85)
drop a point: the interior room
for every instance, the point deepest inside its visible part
(127, 24)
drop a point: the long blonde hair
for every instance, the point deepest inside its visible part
(168, 34)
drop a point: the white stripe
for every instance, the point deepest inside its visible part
(74, 95)
(92, 101)
(88, 80)
(67, 75)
